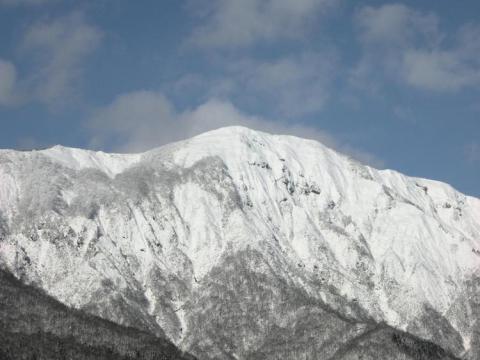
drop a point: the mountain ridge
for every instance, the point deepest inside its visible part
(137, 239)
(132, 157)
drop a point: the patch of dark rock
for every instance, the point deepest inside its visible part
(419, 349)
(262, 164)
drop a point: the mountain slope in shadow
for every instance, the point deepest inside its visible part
(33, 325)
(274, 319)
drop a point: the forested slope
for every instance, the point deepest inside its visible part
(35, 326)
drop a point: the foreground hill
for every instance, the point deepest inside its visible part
(35, 326)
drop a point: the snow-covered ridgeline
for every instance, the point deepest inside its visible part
(390, 243)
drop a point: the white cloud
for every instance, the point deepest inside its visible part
(56, 51)
(232, 23)
(440, 70)
(408, 47)
(8, 80)
(395, 25)
(141, 120)
(293, 86)
(135, 121)
(23, 2)
(60, 48)
(289, 87)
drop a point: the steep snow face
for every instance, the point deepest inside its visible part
(138, 238)
(419, 233)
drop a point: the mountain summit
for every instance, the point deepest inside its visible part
(239, 244)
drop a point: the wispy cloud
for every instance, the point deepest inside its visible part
(8, 79)
(135, 121)
(408, 47)
(293, 86)
(472, 151)
(394, 25)
(60, 46)
(24, 2)
(57, 50)
(446, 69)
(142, 120)
(288, 87)
(231, 23)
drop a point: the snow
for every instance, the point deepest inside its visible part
(8, 193)
(412, 238)
(78, 159)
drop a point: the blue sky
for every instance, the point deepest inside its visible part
(394, 84)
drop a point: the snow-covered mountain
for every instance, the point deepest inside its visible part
(240, 244)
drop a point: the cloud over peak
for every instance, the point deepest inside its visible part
(141, 120)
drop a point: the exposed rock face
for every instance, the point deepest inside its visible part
(240, 244)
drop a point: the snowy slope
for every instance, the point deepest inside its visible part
(143, 239)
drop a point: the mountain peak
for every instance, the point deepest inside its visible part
(188, 229)
(244, 132)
